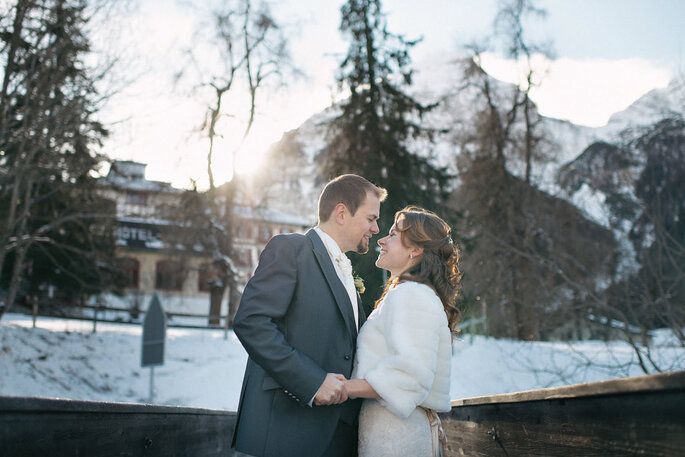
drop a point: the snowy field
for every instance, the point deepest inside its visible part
(63, 358)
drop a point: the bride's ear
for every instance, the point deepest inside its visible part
(416, 251)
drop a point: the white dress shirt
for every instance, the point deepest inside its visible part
(346, 278)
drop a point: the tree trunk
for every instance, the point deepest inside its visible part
(228, 250)
(216, 295)
(15, 281)
(20, 250)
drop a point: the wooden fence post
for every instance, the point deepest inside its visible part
(95, 314)
(34, 302)
(228, 315)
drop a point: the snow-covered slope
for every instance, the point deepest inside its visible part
(64, 359)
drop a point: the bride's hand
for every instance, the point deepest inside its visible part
(344, 396)
(347, 385)
(359, 388)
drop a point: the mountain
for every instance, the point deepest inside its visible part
(655, 105)
(441, 81)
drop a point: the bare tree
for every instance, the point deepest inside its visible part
(253, 54)
(502, 212)
(642, 181)
(509, 23)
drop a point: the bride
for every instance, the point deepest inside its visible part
(402, 366)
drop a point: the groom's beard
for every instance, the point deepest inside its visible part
(363, 246)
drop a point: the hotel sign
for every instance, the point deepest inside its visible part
(139, 235)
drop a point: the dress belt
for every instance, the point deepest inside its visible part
(438, 437)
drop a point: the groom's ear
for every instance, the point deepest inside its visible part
(340, 213)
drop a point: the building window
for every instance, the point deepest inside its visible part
(136, 198)
(130, 268)
(206, 273)
(243, 257)
(247, 257)
(169, 275)
(264, 233)
(242, 230)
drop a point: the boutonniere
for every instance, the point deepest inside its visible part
(359, 284)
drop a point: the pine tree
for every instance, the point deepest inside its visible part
(53, 226)
(373, 134)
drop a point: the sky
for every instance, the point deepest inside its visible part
(606, 55)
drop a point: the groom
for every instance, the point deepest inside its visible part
(298, 321)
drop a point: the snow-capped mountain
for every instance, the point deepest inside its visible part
(441, 80)
(651, 107)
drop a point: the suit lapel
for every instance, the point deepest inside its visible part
(361, 311)
(339, 291)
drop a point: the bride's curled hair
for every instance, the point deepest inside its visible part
(439, 265)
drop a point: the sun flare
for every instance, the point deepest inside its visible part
(245, 159)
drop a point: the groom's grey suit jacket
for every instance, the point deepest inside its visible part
(296, 323)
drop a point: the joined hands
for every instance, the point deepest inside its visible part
(332, 391)
(337, 389)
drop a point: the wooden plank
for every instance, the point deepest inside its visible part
(638, 416)
(9, 404)
(49, 427)
(663, 381)
(647, 423)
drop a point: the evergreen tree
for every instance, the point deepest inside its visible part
(373, 133)
(53, 227)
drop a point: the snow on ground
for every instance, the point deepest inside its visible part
(64, 359)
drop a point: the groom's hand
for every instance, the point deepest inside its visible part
(331, 391)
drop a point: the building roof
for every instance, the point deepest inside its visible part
(130, 175)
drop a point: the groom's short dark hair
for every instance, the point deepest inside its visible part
(349, 190)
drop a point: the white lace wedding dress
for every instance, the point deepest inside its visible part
(383, 434)
(404, 352)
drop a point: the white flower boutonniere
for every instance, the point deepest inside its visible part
(359, 284)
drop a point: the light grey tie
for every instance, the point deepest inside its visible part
(348, 281)
(344, 264)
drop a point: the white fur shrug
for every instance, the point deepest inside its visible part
(404, 350)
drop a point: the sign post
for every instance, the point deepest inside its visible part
(154, 334)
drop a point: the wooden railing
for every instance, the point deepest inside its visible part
(632, 416)
(36, 427)
(642, 416)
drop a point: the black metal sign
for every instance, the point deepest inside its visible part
(154, 334)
